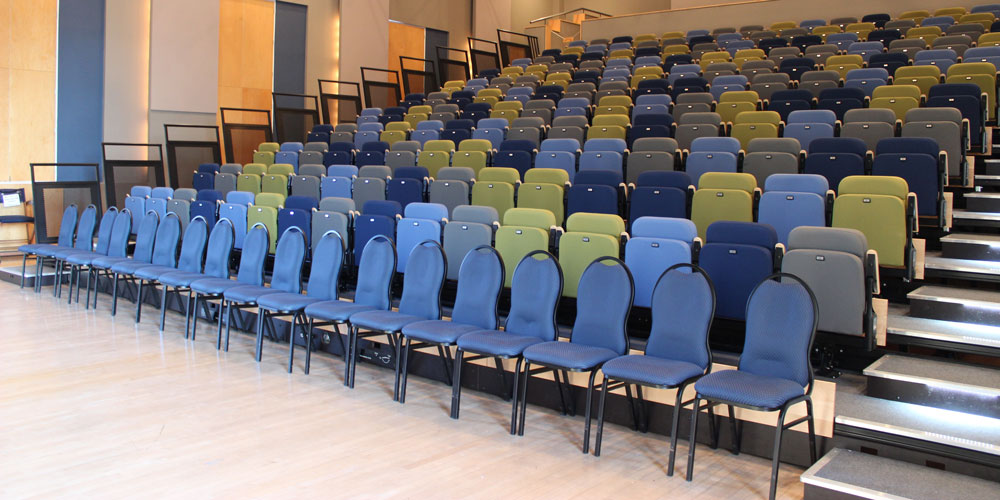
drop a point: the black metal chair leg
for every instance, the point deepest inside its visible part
(92, 276)
(570, 396)
(24, 266)
(445, 356)
(776, 457)
(405, 368)
(562, 398)
(733, 428)
(138, 301)
(349, 380)
(114, 295)
(631, 407)
(812, 431)
(69, 298)
(456, 383)
(524, 397)
(39, 265)
(398, 346)
(194, 318)
(291, 340)
(586, 413)
(163, 305)
(600, 417)
(501, 375)
(692, 440)
(674, 428)
(260, 334)
(228, 312)
(309, 342)
(516, 398)
(57, 284)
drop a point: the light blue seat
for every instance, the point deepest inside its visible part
(420, 222)
(657, 243)
(793, 200)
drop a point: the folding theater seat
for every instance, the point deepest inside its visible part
(712, 154)
(723, 196)
(588, 237)
(597, 191)
(377, 218)
(809, 125)
(868, 126)
(787, 101)
(544, 189)
(885, 211)
(841, 100)
(651, 154)
(370, 184)
(737, 256)
(919, 162)
(754, 124)
(495, 188)
(694, 125)
(793, 200)
(524, 231)
(970, 101)
(947, 128)
(815, 82)
(420, 222)
(656, 244)
(469, 227)
(766, 157)
(837, 158)
(409, 185)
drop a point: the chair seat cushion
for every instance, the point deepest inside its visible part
(62, 252)
(650, 370)
(83, 258)
(214, 285)
(128, 266)
(107, 262)
(335, 310)
(748, 389)
(180, 278)
(383, 321)
(568, 355)
(153, 272)
(31, 247)
(496, 343)
(247, 293)
(284, 301)
(50, 250)
(437, 331)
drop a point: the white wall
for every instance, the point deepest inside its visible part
(488, 15)
(453, 16)
(184, 56)
(126, 70)
(364, 36)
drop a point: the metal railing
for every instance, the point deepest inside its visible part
(560, 14)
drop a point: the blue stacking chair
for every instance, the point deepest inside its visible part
(190, 261)
(737, 255)
(67, 228)
(421, 301)
(915, 159)
(836, 158)
(677, 352)
(324, 282)
(286, 276)
(85, 250)
(535, 290)
(793, 200)
(604, 300)
(377, 218)
(657, 243)
(218, 250)
(117, 249)
(143, 252)
(480, 281)
(84, 242)
(660, 194)
(373, 292)
(420, 222)
(163, 258)
(251, 272)
(774, 371)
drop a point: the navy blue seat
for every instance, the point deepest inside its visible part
(841, 100)
(297, 213)
(836, 158)
(421, 301)
(323, 285)
(596, 191)
(480, 280)
(786, 101)
(889, 61)
(796, 66)
(377, 218)
(965, 97)
(534, 296)
(215, 253)
(407, 186)
(604, 299)
(686, 85)
(774, 371)
(517, 154)
(251, 272)
(373, 292)
(202, 180)
(737, 255)
(915, 159)
(333, 157)
(660, 194)
(677, 351)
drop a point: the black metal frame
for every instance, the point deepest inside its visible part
(367, 85)
(529, 45)
(173, 145)
(283, 111)
(474, 53)
(736, 426)
(445, 62)
(38, 193)
(110, 166)
(229, 127)
(326, 97)
(434, 82)
(679, 402)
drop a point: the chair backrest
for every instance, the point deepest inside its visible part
(255, 247)
(683, 307)
(67, 227)
(193, 246)
(168, 234)
(327, 261)
(375, 272)
(120, 231)
(105, 230)
(781, 323)
(289, 257)
(534, 296)
(145, 237)
(604, 299)
(480, 281)
(85, 229)
(422, 284)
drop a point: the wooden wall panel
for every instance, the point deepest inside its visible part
(32, 112)
(246, 52)
(405, 40)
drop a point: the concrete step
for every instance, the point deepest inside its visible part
(982, 202)
(852, 474)
(968, 218)
(936, 266)
(971, 246)
(965, 305)
(953, 336)
(987, 180)
(935, 382)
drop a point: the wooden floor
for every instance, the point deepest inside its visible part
(92, 406)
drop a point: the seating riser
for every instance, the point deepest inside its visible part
(937, 397)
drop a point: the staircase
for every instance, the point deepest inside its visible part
(925, 426)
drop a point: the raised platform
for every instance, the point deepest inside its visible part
(850, 475)
(934, 382)
(949, 335)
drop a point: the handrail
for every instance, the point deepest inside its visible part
(584, 9)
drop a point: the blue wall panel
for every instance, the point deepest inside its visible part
(80, 82)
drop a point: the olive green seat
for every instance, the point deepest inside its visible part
(524, 230)
(255, 168)
(434, 161)
(476, 160)
(249, 183)
(722, 196)
(606, 132)
(495, 188)
(544, 188)
(391, 137)
(274, 183)
(268, 216)
(281, 168)
(588, 237)
(898, 105)
(439, 145)
(264, 157)
(273, 147)
(876, 206)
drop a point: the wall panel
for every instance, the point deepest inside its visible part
(126, 71)
(184, 60)
(80, 83)
(364, 36)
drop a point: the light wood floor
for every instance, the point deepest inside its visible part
(92, 406)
